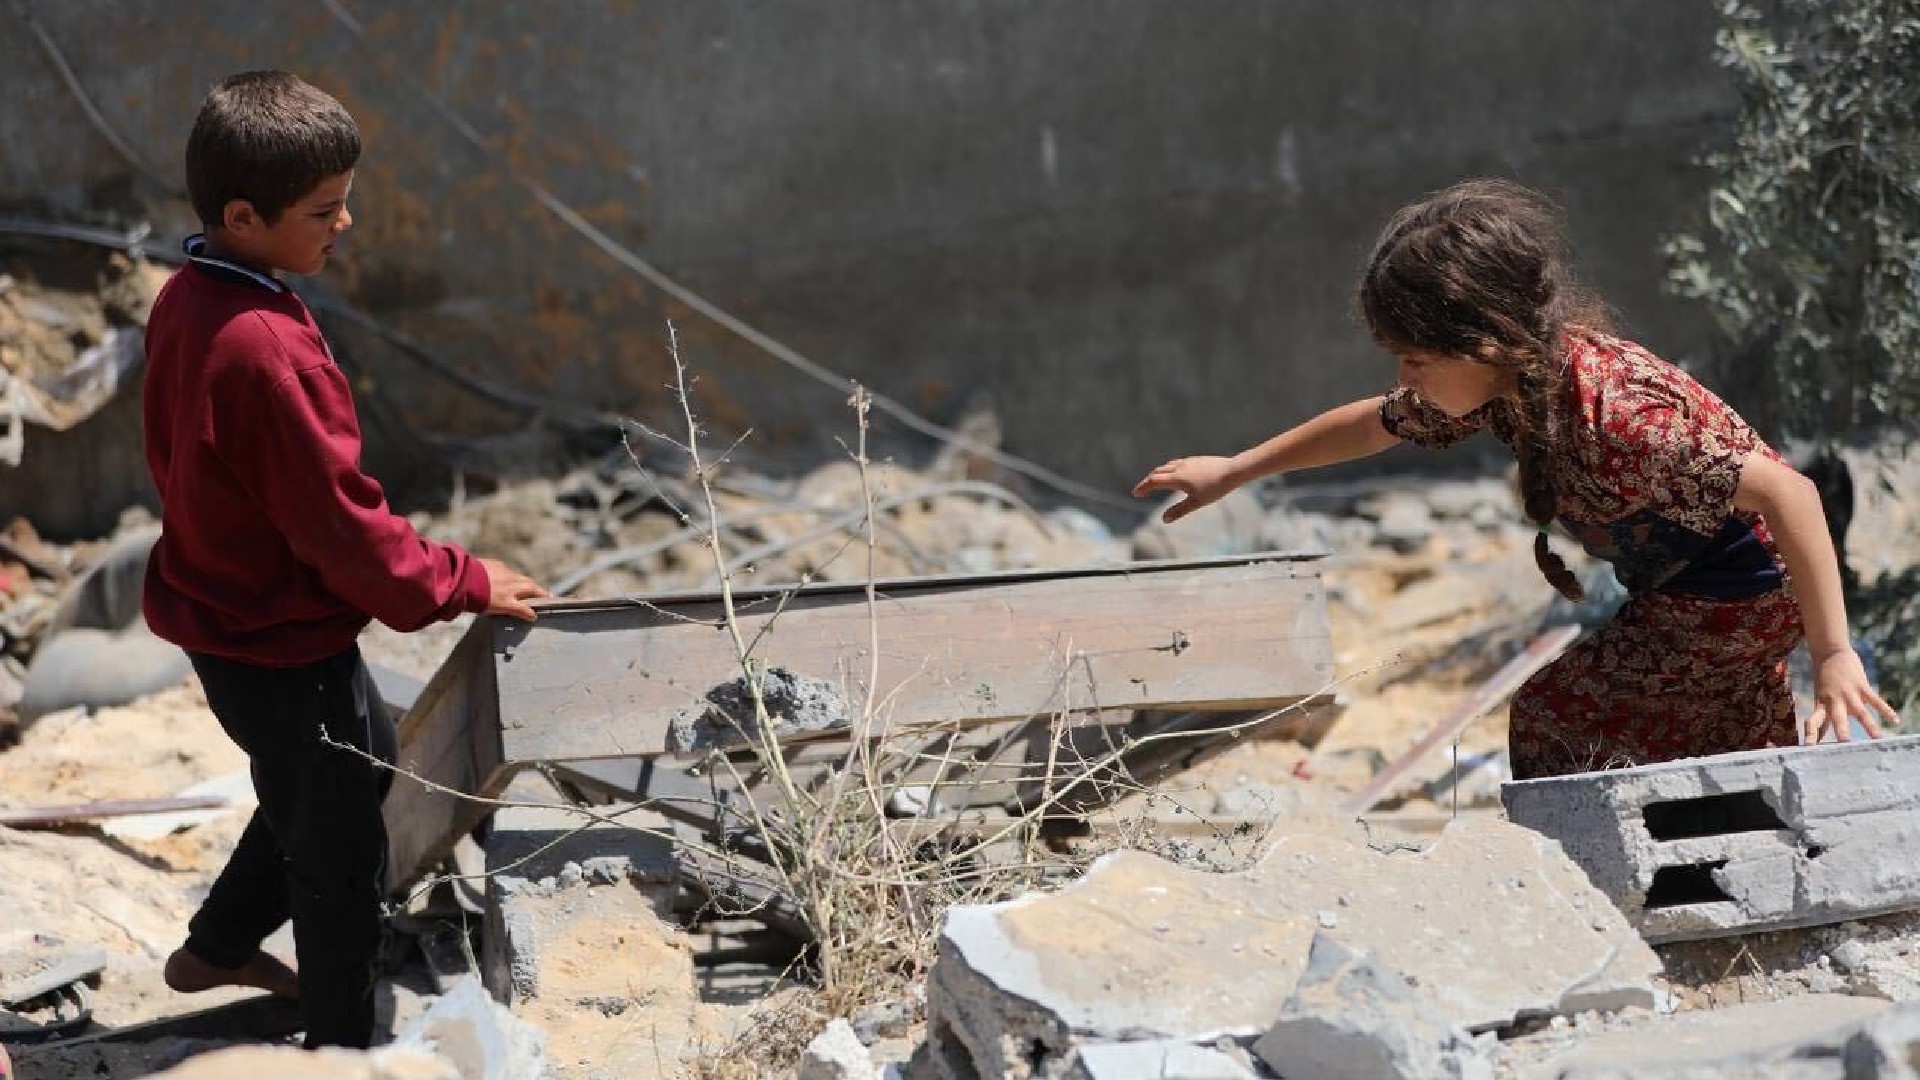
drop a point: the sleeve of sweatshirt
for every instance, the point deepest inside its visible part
(298, 452)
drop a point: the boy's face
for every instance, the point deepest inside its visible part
(301, 240)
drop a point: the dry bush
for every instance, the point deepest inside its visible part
(872, 888)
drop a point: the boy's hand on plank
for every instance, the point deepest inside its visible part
(511, 591)
(1840, 692)
(1202, 480)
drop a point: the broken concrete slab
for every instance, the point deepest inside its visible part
(1761, 840)
(1158, 1059)
(1798, 1038)
(1352, 1019)
(1491, 921)
(580, 946)
(1490, 924)
(543, 866)
(1138, 949)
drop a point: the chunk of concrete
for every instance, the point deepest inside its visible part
(1351, 1019)
(1157, 1059)
(1802, 1038)
(478, 1036)
(1761, 840)
(546, 866)
(837, 1054)
(1138, 949)
(1491, 924)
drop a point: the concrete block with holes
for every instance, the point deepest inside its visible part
(1762, 840)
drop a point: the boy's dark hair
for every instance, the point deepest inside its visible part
(268, 138)
(1481, 270)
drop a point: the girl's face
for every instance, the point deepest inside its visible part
(1456, 384)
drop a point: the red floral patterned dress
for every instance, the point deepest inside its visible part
(1695, 662)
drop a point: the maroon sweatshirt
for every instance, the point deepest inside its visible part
(275, 549)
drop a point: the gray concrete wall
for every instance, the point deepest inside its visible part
(1134, 224)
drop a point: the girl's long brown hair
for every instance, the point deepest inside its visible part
(1482, 271)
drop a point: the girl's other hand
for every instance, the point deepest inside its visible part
(1202, 480)
(1841, 691)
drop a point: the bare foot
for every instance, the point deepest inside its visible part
(188, 974)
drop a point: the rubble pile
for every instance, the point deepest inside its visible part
(1326, 951)
(1753, 916)
(70, 334)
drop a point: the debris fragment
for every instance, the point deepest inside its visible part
(1350, 1018)
(795, 704)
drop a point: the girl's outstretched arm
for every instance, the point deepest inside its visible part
(1791, 506)
(1340, 434)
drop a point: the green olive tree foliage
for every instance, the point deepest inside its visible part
(1810, 259)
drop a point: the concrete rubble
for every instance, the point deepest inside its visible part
(1812, 1037)
(1762, 840)
(581, 940)
(1352, 1019)
(541, 864)
(1342, 953)
(1489, 925)
(837, 1054)
(480, 1037)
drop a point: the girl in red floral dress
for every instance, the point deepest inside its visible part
(1722, 546)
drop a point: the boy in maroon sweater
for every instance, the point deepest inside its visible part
(276, 549)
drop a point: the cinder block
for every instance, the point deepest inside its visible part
(545, 865)
(1762, 840)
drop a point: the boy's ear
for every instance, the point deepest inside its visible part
(239, 216)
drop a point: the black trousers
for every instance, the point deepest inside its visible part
(316, 848)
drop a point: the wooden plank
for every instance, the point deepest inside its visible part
(451, 738)
(28, 817)
(1543, 650)
(590, 681)
(596, 680)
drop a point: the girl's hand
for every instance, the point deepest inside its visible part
(1840, 691)
(1202, 480)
